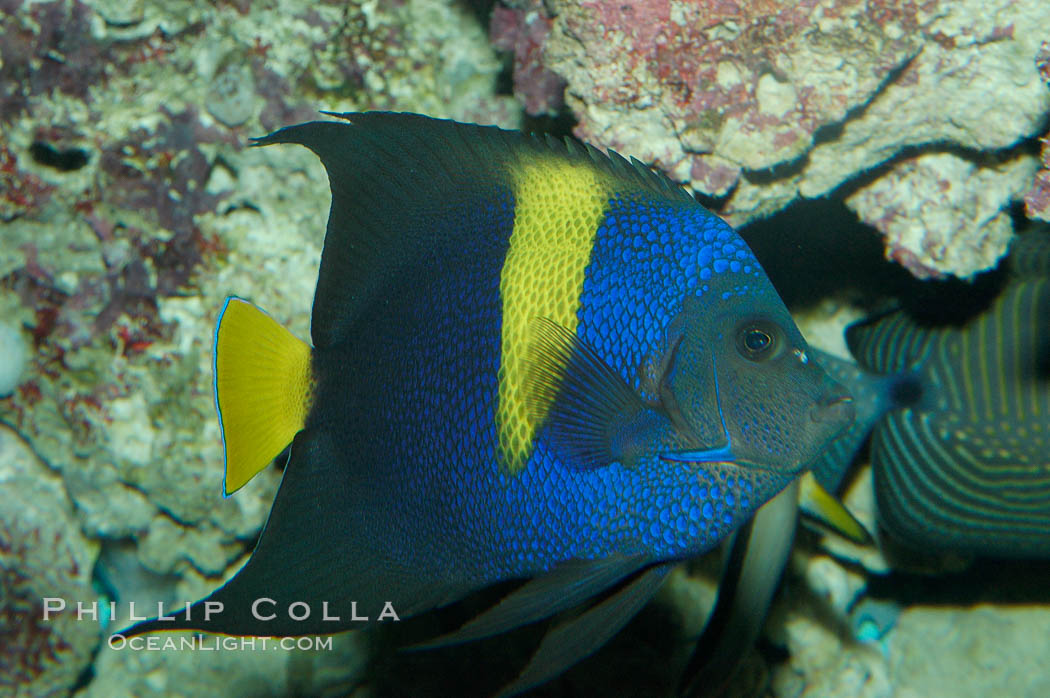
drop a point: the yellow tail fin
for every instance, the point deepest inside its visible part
(262, 388)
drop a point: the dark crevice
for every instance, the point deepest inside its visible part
(559, 125)
(64, 160)
(817, 248)
(1022, 582)
(505, 78)
(715, 203)
(980, 158)
(833, 131)
(828, 133)
(481, 9)
(88, 674)
(242, 206)
(781, 170)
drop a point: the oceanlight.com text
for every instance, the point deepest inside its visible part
(197, 643)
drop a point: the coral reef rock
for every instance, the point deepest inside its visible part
(942, 213)
(763, 103)
(982, 651)
(43, 555)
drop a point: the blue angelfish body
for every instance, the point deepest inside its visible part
(530, 361)
(446, 480)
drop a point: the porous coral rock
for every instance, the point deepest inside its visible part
(118, 268)
(212, 664)
(12, 358)
(748, 83)
(765, 102)
(121, 401)
(970, 652)
(824, 660)
(523, 31)
(943, 214)
(975, 84)
(42, 555)
(229, 666)
(1037, 199)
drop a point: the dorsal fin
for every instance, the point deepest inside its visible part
(393, 174)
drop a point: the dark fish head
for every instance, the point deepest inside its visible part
(743, 371)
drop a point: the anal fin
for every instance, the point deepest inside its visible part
(567, 585)
(575, 639)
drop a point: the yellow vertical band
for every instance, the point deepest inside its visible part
(558, 207)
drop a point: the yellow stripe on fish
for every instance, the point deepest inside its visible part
(558, 207)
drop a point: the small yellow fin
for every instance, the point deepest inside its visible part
(822, 506)
(263, 385)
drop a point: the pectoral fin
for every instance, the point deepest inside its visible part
(591, 416)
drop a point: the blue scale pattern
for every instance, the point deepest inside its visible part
(444, 483)
(648, 256)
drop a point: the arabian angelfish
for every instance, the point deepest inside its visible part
(530, 360)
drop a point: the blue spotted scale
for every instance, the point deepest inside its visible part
(530, 360)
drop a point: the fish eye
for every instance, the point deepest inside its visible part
(757, 341)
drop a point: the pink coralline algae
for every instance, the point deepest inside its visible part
(724, 86)
(1037, 200)
(161, 185)
(523, 31)
(762, 103)
(47, 47)
(940, 212)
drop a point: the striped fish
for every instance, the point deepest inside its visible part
(967, 468)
